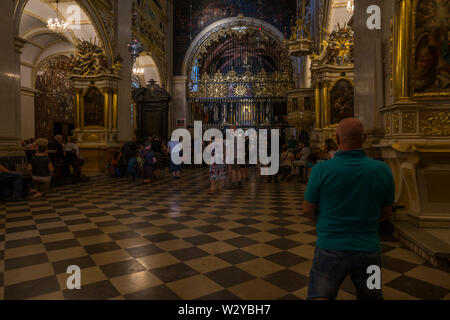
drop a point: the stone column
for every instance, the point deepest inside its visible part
(10, 111)
(27, 112)
(123, 25)
(318, 113)
(368, 68)
(169, 47)
(179, 102)
(169, 61)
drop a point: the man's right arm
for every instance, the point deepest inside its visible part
(3, 169)
(386, 211)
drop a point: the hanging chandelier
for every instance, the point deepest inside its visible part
(135, 48)
(138, 71)
(350, 6)
(57, 25)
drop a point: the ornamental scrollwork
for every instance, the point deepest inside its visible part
(338, 49)
(89, 59)
(261, 84)
(409, 122)
(434, 123)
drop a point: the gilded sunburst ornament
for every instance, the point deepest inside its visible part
(240, 90)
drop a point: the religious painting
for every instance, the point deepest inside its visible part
(431, 59)
(341, 101)
(94, 110)
(54, 102)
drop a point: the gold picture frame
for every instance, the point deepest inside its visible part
(417, 42)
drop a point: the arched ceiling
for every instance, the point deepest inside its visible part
(146, 62)
(42, 42)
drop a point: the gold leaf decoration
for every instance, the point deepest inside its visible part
(434, 123)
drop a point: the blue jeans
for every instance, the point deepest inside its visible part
(17, 181)
(330, 267)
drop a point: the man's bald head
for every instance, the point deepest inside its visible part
(350, 134)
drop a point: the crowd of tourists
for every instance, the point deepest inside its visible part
(144, 163)
(297, 160)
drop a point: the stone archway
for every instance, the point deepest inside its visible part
(41, 45)
(209, 35)
(215, 27)
(151, 69)
(86, 8)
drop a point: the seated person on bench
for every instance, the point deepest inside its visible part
(16, 179)
(42, 168)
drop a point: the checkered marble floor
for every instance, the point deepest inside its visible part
(172, 240)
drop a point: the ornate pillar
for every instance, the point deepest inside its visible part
(402, 26)
(318, 121)
(78, 108)
(179, 103)
(325, 105)
(115, 110)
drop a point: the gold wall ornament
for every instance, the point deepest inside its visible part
(240, 90)
(396, 122)
(300, 43)
(409, 122)
(261, 84)
(434, 123)
(339, 48)
(91, 137)
(89, 59)
(301, 120)
(118, 61)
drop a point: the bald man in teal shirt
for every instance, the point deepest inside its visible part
(347, 197)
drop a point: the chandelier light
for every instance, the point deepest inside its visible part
(57, 24)
(350, 6)
(138, 71)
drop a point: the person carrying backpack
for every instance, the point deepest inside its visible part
(150, 161)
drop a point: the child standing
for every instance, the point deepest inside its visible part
(217, 173)
(149, 162)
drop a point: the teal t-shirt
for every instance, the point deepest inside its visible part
(350, 190)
